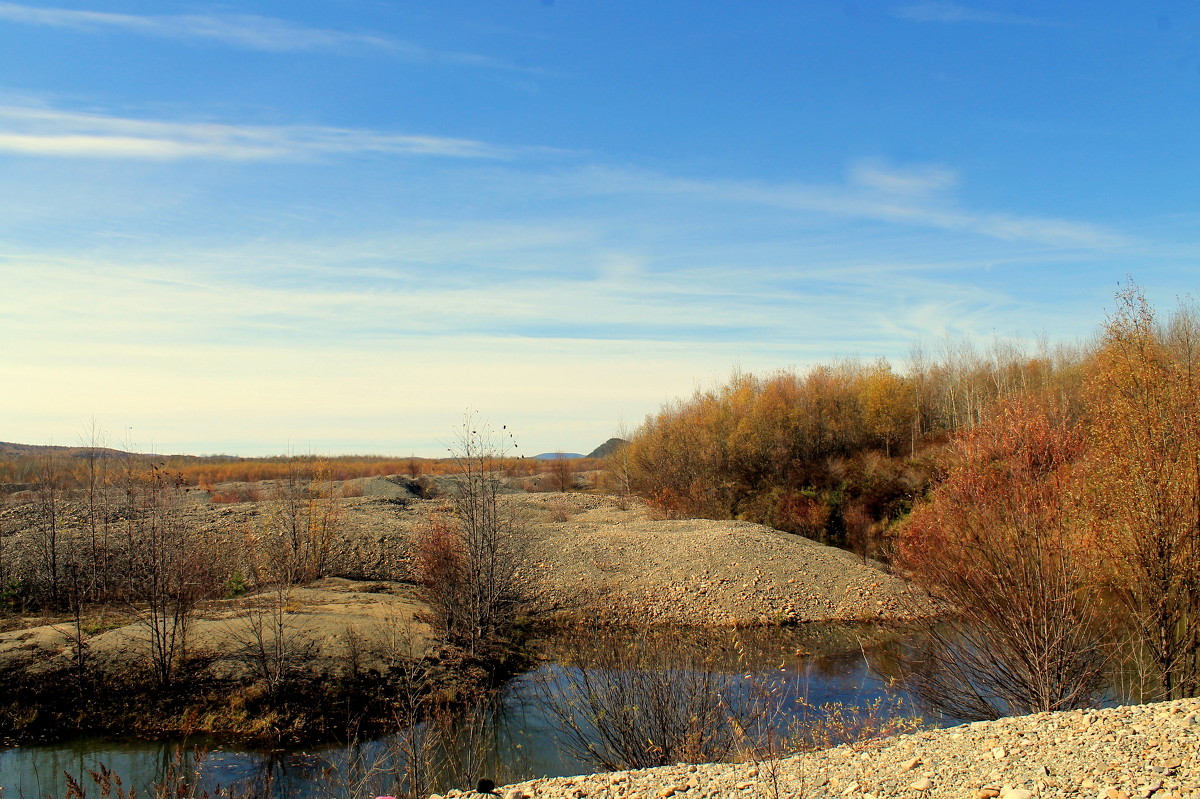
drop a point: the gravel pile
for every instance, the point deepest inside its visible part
(1133, 752)
(627, 566)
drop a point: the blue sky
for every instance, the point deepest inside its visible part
(333, 226)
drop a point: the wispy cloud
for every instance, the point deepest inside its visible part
(239, 30)
(913, 196)
(944, 11)
(66, 134)
(912, 180)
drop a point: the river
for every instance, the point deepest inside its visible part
(515, 737)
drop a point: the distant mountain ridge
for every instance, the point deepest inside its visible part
(607, 448)
(602, 451)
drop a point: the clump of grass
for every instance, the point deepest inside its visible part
(835, 723)
(560, 510)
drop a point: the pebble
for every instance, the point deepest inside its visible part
(1094, 753)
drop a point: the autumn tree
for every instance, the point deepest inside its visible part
(888, 405)
(997, 541)
(1144, 481)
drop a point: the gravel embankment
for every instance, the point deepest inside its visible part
(624, 565)
(1132, 752)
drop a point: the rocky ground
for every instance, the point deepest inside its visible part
(593, 555)
(585, 556)
(1133, 752)
(624, 565)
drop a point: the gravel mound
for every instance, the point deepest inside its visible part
(1133, 752)
(627, 566)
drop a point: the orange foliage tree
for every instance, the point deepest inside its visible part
(769, 449)
(997, 540)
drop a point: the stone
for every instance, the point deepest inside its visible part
(923, 784)
(1017, 793)
(999, 753)
(987, 793)
(911, 764)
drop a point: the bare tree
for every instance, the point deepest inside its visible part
(560, 470)
(50, 491)
(620, 467)
(274, 649)
(170, 568)
(8, 584)
(645, 701)
(96, 497)
(467, 561)
(302, 521)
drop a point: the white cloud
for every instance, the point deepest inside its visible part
(943, 11)
(238, 30)
(922, 179)
(64, 134)
(902, 196)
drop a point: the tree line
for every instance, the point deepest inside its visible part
(1053, 497)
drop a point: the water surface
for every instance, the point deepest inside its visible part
(512, 738)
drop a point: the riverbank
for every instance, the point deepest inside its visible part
(583, 557)
(303, 662)
(1131, 752)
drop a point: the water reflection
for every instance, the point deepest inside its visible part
(511, 737)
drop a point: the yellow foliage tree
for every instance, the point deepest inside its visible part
(1144, 482)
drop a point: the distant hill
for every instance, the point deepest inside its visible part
(607, 448)
(553, 456)
(11, 450)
